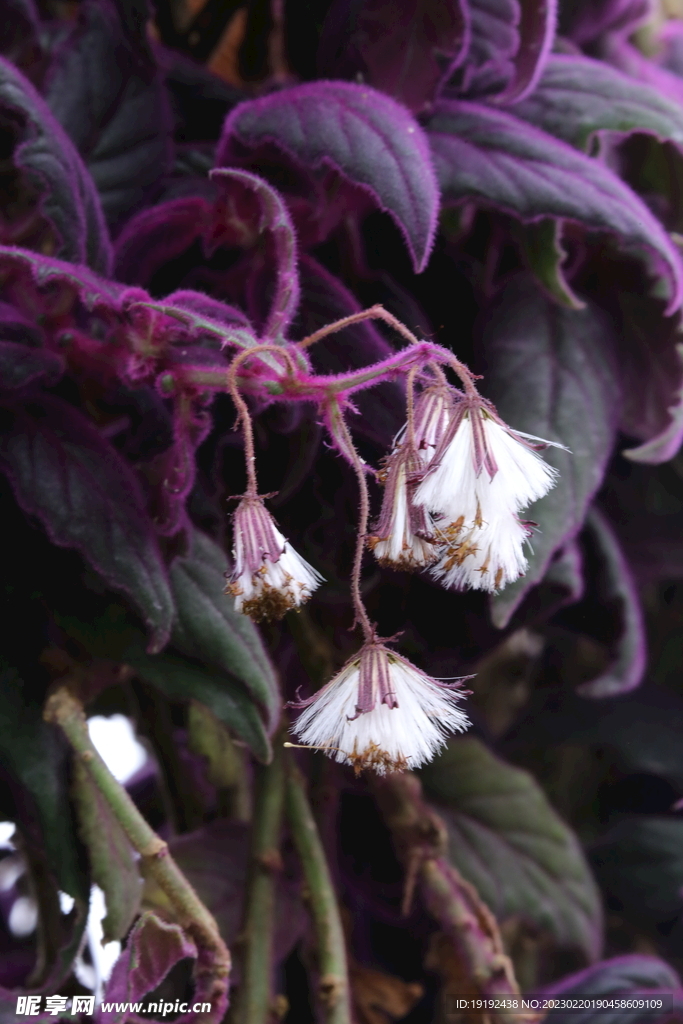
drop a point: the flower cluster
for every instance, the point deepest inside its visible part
(455, 484)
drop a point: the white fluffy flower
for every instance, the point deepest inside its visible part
(381, 712)
(403, 537)
(269, 577)
(483, 469)
(482, 558)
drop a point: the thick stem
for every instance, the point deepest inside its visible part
(254, 999)
(420, 838)
(334, 982)
(63, 709)
(341, 435)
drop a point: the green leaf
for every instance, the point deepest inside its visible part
(541, 243)
(640, 864)
(552, 372)
(110, 634)
(577, 96)
(207, 626)
(506, 839)
(34, 772)
(111, 858)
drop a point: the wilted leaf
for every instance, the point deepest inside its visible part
(506, 840)
(490, 156)
(371, 140)
(111, 860)
(108, 96)
(62, 187)
(208, 628)
(64, 472)
(153, 948)
(577, 97)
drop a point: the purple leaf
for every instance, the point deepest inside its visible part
(324, 299)
(20, 366)
(158, 236)
(552, 372)
(494, 42)
(577, 97)
(632, 977)
(369, 139)
(154, 947)
(67, 475)
(274, 220)
(489, 155)
(406, 55)
(105, 91)
(537, 34)
(48, 162)
(588, 20)
(617, 591)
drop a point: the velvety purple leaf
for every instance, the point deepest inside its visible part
(617, 591)
(552, 372)
(200, 99)
(406, 54)
(670, 55)
(577, 97)
(324, 299)
(46, 158)
(275, 220)
(633, 977)
(371, 140)
(110, 855)
(208, 628)
(159, 235)
(631, 61)
(652, 371)
(507, 841)
(494, 42)
(536, 37)
(20, 365)
(562, 585)
(106, 93)
(491, 156)
(67, 475)
(586, 21)
(205, 306)
(18, 328)
(154, 947)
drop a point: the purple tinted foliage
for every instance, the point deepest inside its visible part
(363, 135)
(319, 213)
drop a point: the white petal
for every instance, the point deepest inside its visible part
(387, 738)
(485, 558)
(523, 476)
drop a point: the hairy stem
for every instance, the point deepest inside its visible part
(334, 984)
(63, 709)
(341, 435)
(420, 839)
(254, 998)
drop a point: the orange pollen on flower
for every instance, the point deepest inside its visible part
(375, 759)
(457, 553)
(499, 577)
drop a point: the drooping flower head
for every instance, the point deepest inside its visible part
(434, 408)
(269, 577)
(481, 477)
(382, 713)
(403, 537)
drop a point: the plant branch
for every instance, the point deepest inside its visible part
(421, 840)
(254, 998)
(332, 963)
(63, 709)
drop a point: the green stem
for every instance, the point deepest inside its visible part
(63, 709)
(254, 998)
(334, 983)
